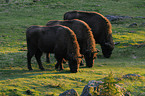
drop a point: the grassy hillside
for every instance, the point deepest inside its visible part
(128, 57)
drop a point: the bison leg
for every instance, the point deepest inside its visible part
(48, 57)
(30, 54)
(59, 63)
(56, 65)
(38, 58)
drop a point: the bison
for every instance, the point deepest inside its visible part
(101, 28)
(84, 36)
(59, 40)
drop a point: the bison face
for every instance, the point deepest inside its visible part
(74, 64)
(89, 58)
(107, 49)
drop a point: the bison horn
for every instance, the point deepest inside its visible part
(108, 44)
(116, 43)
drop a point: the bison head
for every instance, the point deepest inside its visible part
(107, 49)
(90, 57)
(74, 63)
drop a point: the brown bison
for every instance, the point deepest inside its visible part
(84, 36)
(59, 40)
(101, 28)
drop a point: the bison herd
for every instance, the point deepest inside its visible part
(71, 39)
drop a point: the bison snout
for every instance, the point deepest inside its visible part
(107, 56)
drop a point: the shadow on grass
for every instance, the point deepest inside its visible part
(13, 74)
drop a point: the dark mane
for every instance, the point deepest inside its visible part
(88, 36)
(73, 46)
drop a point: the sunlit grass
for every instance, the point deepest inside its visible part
(128, 57)
(130, 38)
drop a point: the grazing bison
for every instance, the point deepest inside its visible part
(59, 40)
(84, 36)
(101, 28)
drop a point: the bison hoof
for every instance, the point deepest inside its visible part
(56, 67)
(73, 71)
(30, 69)
(47, 61)
(89, 66)
(42, 69)
(61, 69)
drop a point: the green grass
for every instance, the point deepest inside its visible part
(128, 57)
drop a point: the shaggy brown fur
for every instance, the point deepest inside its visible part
(88, 37)
(101, 28)
(73, 45)
(60, 40)
(83, 33)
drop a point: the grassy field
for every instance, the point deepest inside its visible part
(128, 57)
